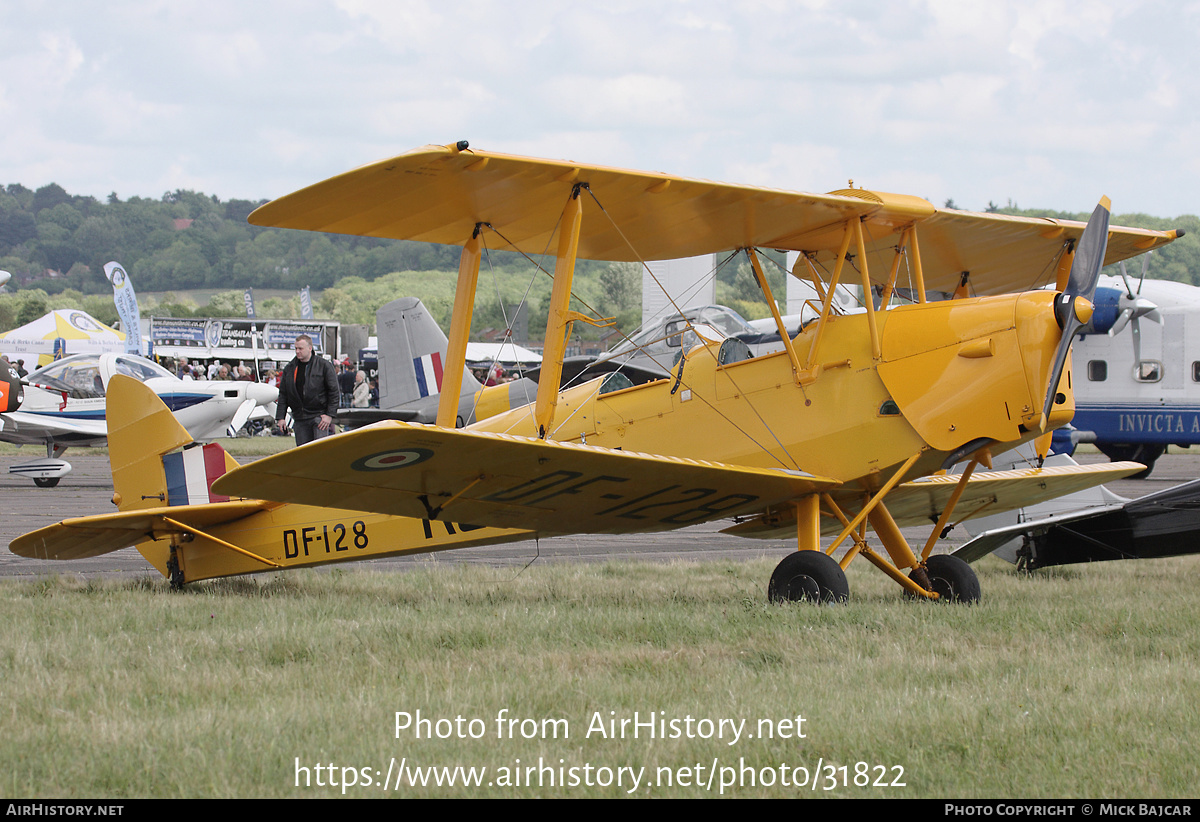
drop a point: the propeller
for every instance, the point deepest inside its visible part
(1073, 307)
(1132, 307)
(240, 416)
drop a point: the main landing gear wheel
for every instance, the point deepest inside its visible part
(45, 482)
(952, 579)
(808, 576)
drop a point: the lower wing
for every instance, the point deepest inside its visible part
(30, 427)
(505, 481)
(922, 501)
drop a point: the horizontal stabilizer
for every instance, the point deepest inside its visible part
(922, 501)
(84, 537)
(500, 480)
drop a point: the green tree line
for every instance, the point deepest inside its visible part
(55, 245)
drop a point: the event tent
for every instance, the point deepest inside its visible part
(80, 331)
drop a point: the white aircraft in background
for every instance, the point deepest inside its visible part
(63, 406)
(1137, 371)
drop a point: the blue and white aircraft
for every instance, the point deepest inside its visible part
(1136, 372)
(63, 406)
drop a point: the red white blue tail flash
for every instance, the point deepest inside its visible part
(190, 473)
(429, 373)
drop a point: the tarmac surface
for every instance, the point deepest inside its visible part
(88, 490)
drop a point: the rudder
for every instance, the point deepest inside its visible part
(142, 434)
(412, 351)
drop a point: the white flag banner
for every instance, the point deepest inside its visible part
(127, 307)
(306, 309)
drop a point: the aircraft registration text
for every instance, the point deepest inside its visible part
(333, 538)
(695, 503)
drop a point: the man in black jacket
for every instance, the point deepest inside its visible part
(310, 388)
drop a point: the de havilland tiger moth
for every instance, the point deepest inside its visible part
(854, 424)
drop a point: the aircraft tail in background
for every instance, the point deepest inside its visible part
(412, 351)
(412, 354)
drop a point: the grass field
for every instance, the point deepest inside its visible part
(1076, 683)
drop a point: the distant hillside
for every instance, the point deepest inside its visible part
(55, 245)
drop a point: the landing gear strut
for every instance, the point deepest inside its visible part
(174, 572)
(951, 579)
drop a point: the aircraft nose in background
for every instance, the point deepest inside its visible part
(261, 393)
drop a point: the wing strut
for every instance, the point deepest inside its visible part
(918, 272)
(460, 330)
(809, 374)
(561, 316)
(984, 455)
(885, 294)
(191, 529)
(866, 284)
(783, 333)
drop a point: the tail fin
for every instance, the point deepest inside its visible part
(142, 434)
(412, 350)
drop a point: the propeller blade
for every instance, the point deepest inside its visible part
(240, 416)
(1089, 252)
(1125, 276)
(1085, 273)
(1060, 360)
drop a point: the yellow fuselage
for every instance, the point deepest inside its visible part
(950, 374)
(957, 372)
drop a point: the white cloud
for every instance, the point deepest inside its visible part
(978, 101)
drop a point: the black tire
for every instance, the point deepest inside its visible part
(952, 579)
(808, 576)
(45, 482)
(1145, 453)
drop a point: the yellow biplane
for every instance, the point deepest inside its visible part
(855, 424)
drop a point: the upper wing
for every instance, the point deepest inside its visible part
(83, 537)
(922, 501)
(505, 481)
(439, 193)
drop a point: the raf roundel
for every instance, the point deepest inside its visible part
(387, 460)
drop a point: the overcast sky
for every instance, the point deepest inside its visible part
(1050, 104)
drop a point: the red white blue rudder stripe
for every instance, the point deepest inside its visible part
(191, 472)
(429, 373)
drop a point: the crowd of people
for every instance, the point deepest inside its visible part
(355, 390)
